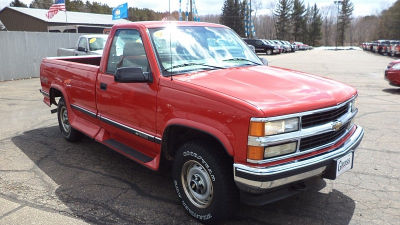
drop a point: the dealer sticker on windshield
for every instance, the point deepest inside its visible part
(343, 164)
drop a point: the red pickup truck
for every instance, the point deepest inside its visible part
(196, 96)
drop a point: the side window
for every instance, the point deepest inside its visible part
(82, 43)
(127, 50)
(259, 42)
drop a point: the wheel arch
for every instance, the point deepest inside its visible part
(177, 133)
(57, 91)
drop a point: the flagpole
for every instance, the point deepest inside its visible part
(66, 17)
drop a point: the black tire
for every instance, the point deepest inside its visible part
(219, 200)
(268, 51)
(69, 133)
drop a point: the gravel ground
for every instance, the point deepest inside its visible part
(46, 180)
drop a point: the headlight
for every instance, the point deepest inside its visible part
(396, 66)
(279, 150)
(353, 105)
(281, 126)
(260, 129)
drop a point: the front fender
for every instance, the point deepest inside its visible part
(217, 134)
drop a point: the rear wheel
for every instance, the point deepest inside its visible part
(203, 180)
(66, 129)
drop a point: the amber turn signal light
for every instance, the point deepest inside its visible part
(256, 129)
(255, 152)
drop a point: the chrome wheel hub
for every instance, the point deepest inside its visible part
(197, 184)
(64, 119)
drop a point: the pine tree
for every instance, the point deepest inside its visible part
(282, 24)
(315, 33)
(41, 4)
(344, 20)
(228, 13)
(305, 35)
(18, 3)
(233, 16)
(297, 19)
(243, 6)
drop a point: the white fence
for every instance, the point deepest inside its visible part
(22, 52)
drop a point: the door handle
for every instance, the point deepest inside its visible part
(103, 86)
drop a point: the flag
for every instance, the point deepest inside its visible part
(59, 5)
(120, 12)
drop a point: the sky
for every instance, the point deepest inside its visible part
(361, 7)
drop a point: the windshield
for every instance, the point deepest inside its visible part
(97, 43)
(189, 49)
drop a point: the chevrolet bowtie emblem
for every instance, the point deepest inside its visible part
(337, 125)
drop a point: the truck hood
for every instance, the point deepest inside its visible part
(274, 91)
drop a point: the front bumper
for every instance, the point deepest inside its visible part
(259, 180)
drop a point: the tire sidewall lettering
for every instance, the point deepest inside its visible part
(195, 215)
(205, 164)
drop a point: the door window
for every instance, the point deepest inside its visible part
(127, 50)
(82, 43)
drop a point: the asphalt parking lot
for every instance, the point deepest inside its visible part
(47, 180)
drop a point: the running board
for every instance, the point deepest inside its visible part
(128, 150)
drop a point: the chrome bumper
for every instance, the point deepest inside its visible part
(255, 179)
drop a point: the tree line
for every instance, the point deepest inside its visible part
(290, 20)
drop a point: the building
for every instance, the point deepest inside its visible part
(30, 19)
(2, 27)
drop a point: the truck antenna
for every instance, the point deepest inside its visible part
(170, 49)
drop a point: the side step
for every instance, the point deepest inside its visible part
(128, 150)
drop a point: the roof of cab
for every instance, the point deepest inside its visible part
(156, 24)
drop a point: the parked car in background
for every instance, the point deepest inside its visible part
(286, 47)
(86, 45)
(302, 46)
(294, 46)
(289, 46)
(392, 73)
(365, 46)
(261, 46)
(279, 47)
(380, 46)
(394, 48)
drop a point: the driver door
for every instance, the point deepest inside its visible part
(128, 110)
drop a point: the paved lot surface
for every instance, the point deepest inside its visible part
(46, 180)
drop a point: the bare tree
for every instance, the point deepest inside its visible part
(328, 32)
(211, 18)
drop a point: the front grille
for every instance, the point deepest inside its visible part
(322, 139)
(324, 117)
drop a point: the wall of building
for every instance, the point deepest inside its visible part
(22, 52)
(16, 21)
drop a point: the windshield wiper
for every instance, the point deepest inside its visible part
(192, 64)
(241, 59)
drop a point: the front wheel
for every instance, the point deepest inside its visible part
(203, 180)
(269, 52)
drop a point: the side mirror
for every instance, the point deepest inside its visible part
(82, 49)
(132, 75)
(264, 61)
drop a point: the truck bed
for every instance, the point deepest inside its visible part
(79, 72)
(90, 60)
